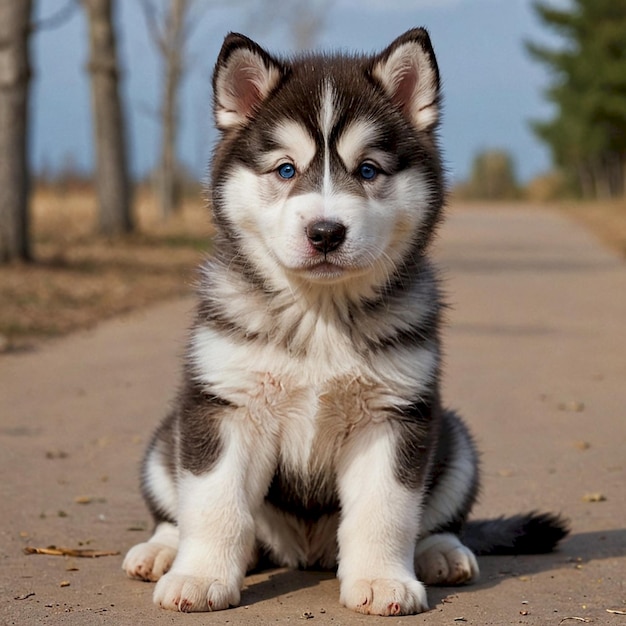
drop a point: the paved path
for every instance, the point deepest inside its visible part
(536, 360)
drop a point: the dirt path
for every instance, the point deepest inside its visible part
(536, 360)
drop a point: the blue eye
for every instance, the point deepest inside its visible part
(367, 171)
(286, 170)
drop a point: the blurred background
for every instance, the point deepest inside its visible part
(106, 128)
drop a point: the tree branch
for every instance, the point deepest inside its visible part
(56, 19)
(154, 30)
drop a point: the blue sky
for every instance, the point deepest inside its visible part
(491, 87)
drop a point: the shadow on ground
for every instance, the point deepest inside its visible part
(578, 548)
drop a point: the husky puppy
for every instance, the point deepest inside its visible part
(309, 429)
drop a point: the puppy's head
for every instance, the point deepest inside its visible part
(327, 170)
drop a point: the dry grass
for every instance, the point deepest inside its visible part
(78, 278)
(606, 219)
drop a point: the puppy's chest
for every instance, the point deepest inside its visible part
(308, 406)
(314, 421)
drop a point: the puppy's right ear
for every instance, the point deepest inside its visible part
(407, 71)
(244, 76)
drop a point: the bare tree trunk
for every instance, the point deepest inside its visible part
(601, 174)
(112, 179)
(305, 19)
(172, 51)
(14, 89)
(615, 170)
(585, 179)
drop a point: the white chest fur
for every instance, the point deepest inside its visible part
(311, 402)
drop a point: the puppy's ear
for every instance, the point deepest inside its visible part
(407, 71)
(244, 76)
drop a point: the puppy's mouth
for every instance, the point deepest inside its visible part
(325, 269)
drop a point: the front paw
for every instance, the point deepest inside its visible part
(384, 596)
(180, 592)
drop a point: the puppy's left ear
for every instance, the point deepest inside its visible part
(244, 77)
(407, 71)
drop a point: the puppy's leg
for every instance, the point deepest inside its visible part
(150, 560)
(215, 519)
(379, 527)
(441, 559)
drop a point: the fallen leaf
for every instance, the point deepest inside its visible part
(594, 497)
(574, 406)
(54, 551)
(32, 593)
(56, 454)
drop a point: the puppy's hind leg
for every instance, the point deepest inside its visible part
(441, 559)
(150, 560)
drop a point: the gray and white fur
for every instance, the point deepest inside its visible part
(309, 430)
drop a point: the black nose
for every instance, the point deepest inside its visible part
(326, 236)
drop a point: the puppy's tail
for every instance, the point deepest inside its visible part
(530, 533)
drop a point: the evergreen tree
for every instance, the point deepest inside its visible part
(587, 136)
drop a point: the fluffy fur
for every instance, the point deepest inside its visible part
(309, 429)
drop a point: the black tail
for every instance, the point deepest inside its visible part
(530, 533)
